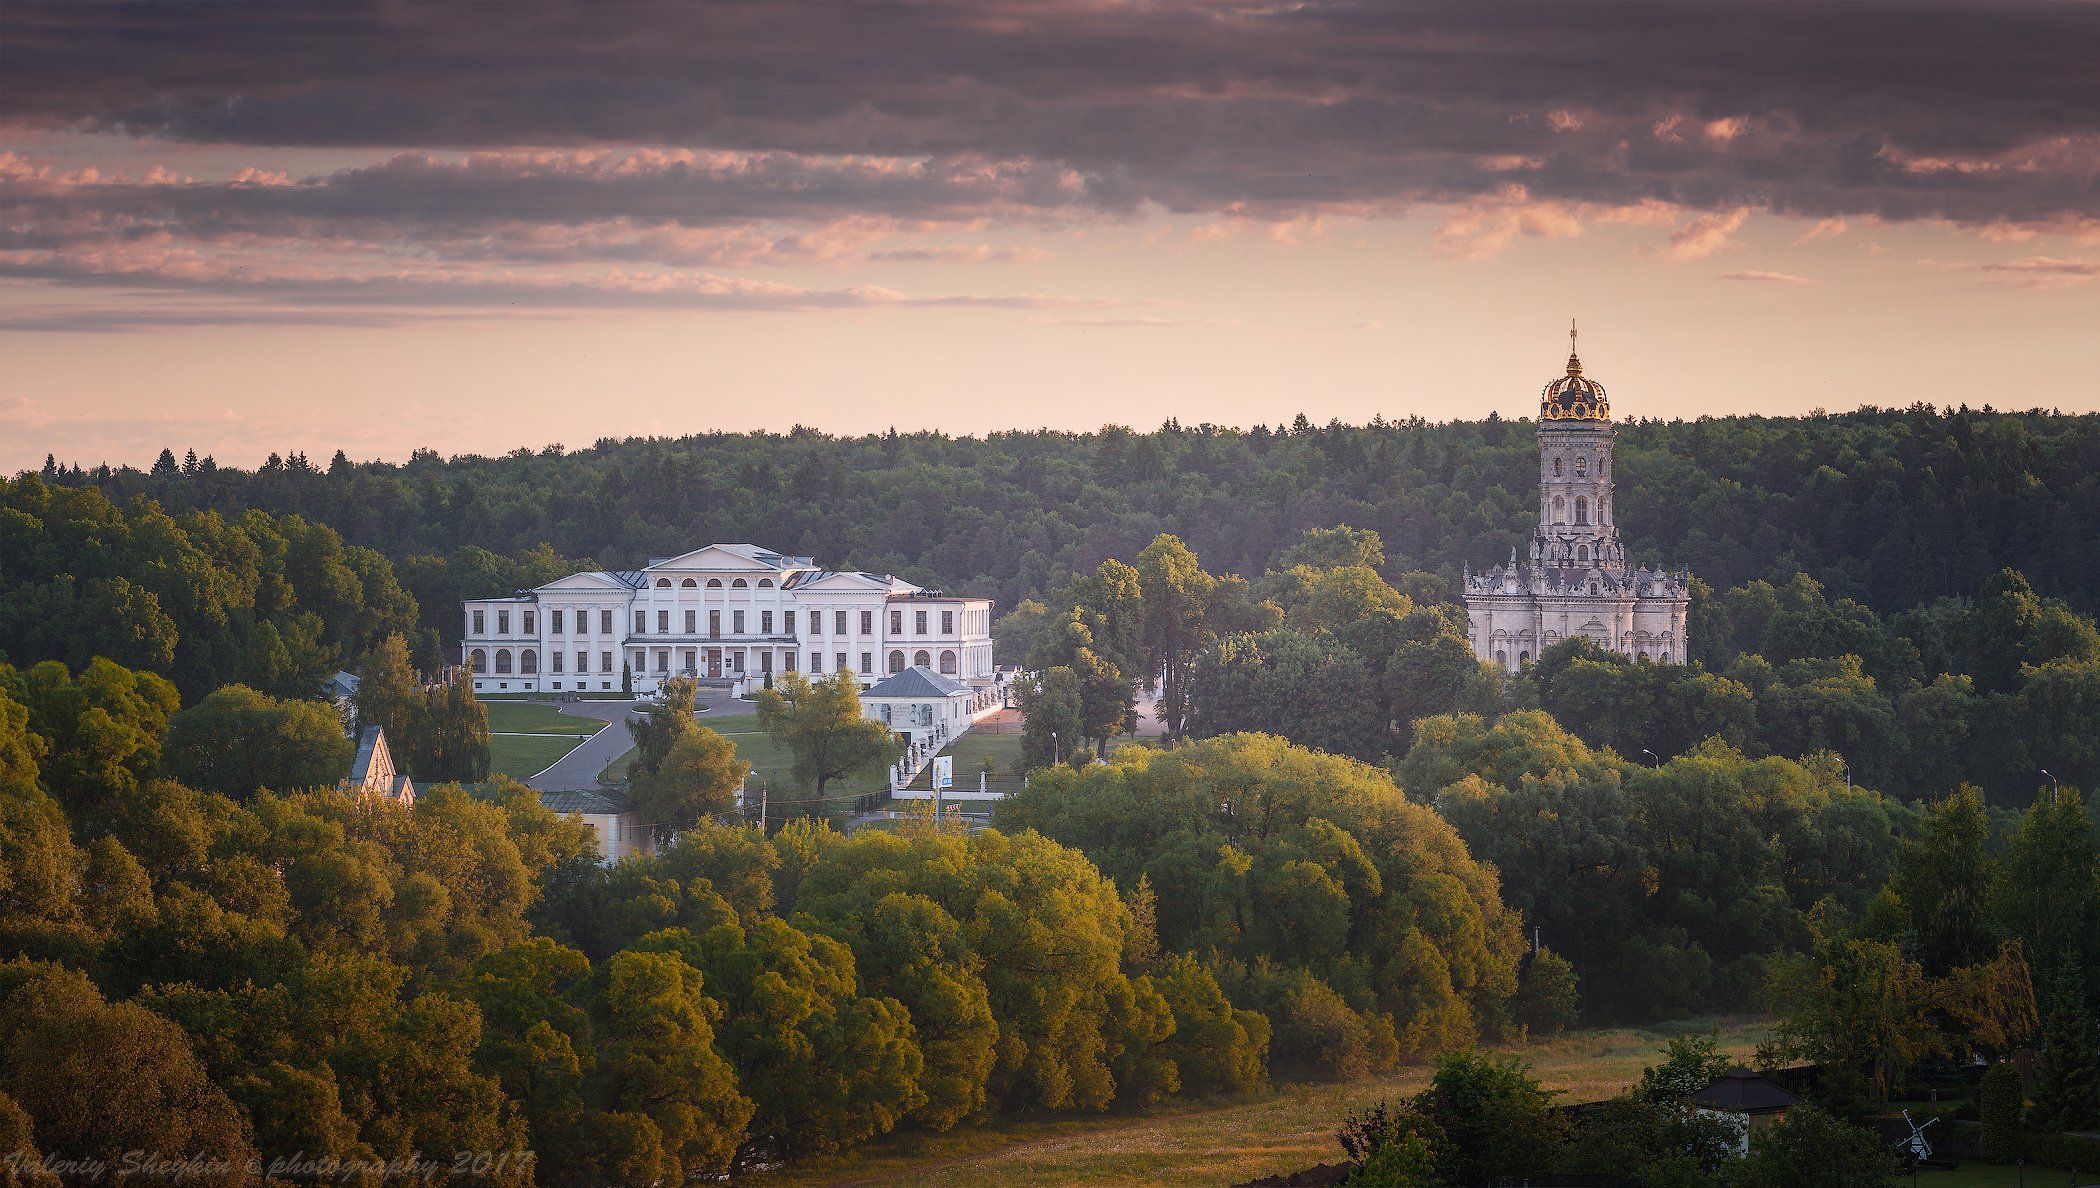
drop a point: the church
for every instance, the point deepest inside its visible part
(1575, 580)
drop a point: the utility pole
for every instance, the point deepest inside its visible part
(764, 790)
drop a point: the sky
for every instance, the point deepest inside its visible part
(479, 227)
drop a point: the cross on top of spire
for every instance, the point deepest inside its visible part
(1574, 360)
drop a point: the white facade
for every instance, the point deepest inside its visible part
(735, 613)
(1576, 581)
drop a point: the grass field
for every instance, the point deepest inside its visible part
(526, 738)
(1998, 1175)
(1231, 1142)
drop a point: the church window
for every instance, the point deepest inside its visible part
(1556, 467)
(1560, 510)
(1502, 659)
(1582, 510)
(1582, 468)
(1582, 553)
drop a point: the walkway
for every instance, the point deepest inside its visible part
(578, 770)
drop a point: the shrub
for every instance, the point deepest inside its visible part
(2000, 1101)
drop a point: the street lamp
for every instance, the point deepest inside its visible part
(1055, 757)
(1652, 755)
(2052, 783)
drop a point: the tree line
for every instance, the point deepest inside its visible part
(1889, 507)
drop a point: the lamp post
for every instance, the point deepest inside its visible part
(1652, 755)
(2052, 783)
(1055, 756)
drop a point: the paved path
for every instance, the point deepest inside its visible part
(578, 770)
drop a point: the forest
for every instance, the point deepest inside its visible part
(1857, 808)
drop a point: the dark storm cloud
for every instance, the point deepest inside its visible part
(1978, 114)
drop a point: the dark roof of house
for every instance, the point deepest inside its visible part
(916, 681)
(583, 802)
(1742, 1091)
(361, 763)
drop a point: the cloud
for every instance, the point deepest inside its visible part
(1784, 278)
(1823, 229)
(428, 142)
(2045, 272)
(1704, 236)
(1139, 322)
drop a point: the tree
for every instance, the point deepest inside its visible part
(698, 778)
(2047, 891)
(660, 1065)
(2001, 1102)
(1811, 1146)
(239, 742)
(1495, 1118)
(1546, 994)
(1105, 701)
(1334, 548)
(822, 728)
(1943, 878)
(1177, 595)
(1690, 1063)
(104, 1079)
(2067, 1096)
(1053, 712)
(662, 724)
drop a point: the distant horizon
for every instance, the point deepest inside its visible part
(320, 458)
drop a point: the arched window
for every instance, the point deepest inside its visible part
(1582, 468)
(896, 662)
(478, 660)
(1665, 656)
(1560, 510)
(947, 663)
(1582, 553)
(1502, 659)
(528, 662)
(1523, 658)
(740, 584)
(502, 660)
(765, 583)
(1582, 510)
(714, 583)
(922, 660)
(1556, 467)
(687, 584)
(665, 583)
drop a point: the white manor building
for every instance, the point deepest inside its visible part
(728, 612)
(1576, 581)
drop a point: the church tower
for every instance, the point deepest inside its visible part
(1576, 529)
(1576, 582)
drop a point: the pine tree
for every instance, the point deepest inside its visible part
(2068, 1095)
(189, 462)
(164, 466)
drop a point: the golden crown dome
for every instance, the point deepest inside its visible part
(1574, 397)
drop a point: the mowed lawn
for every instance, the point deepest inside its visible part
(525, 738)
(1230, 1142)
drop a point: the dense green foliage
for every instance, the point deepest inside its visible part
(263, 972)
(1354, 919)
(274, 602)
(1890, 507)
